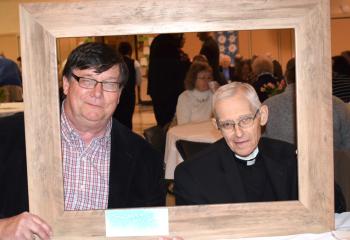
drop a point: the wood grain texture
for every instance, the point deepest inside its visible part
(314, 112)
(42, 23)
(40, 93)
(98, 18)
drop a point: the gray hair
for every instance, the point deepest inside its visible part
(262, 64)
(231, 90)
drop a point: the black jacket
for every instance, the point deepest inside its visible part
(136, 169)
(212, 176)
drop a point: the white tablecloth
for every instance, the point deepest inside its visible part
(196, 132)
(10, 108)
(342, 231)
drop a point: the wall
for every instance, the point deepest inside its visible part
(9, 45)
(256, 42)
(277, 43)
(340, 35)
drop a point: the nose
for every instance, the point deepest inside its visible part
(238, 130)
(98, 90)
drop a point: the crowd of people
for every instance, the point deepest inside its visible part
(106, 165)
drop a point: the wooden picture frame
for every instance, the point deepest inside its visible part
(42, 23)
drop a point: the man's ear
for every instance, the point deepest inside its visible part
(65, 85)
(214, 122)
(264, 114)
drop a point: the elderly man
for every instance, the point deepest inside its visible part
(105, 165)
(241, 167)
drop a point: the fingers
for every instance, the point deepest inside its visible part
(40, 230)
(44, 231)
(28, 225)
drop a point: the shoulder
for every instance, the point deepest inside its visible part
(123, 136)
(204, 161)
(338, 103)
(340, 108)
(280, 102)
(128, 144)
(185, 95)
(274, 148)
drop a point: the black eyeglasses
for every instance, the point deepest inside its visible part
(244, 122)
(89, 83)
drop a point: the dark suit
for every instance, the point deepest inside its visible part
(210, 49)
(136, 169)
(212, 176)
(166, 74)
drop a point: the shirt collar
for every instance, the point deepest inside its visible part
(250, 159)
(70, 134)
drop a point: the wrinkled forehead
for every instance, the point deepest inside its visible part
(233, 107)
(113, 71)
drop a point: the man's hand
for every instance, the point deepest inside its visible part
(24, 226)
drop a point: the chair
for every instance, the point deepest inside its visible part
(188, 149)
(156, 136)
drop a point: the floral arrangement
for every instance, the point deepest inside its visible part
(272, 89)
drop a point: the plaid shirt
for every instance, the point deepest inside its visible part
(85, 168)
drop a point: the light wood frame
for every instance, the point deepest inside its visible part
(42, 23)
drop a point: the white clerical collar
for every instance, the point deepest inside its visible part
(250, 159)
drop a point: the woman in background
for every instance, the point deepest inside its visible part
(194, 104)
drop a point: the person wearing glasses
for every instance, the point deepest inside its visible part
(105, 165)
(242, 166)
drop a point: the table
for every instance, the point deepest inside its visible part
(10, 108)
(196, 132)
(342, 231)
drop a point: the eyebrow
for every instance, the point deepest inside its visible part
(92, 78)
(239, 118)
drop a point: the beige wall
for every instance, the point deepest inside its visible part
(340, 36)
(279, 44)
(192, 44)
(9, 45)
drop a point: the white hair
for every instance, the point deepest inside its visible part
(231, 90)
(262, 64)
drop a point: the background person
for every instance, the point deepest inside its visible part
(194, 104)
(126, 105)
(341, 78)
(262, 68)
(226, 70)
(166, 73)
(210, 49)
(282, 123)
(10, 81)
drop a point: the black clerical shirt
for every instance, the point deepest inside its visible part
(256, 182)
